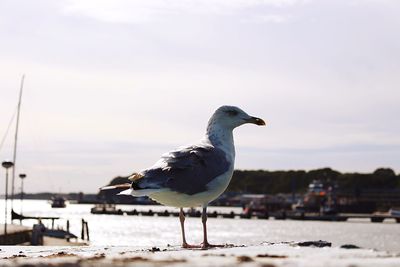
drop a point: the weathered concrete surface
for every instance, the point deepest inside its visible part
(280, 254)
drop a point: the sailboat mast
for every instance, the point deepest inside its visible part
(15, 141)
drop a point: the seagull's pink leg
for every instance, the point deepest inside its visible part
(205, 244)
(182, 220)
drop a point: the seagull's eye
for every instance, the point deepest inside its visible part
(232, 112)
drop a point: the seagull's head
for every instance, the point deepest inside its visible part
(231, 117)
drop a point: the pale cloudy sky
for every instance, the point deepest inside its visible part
(111, 85)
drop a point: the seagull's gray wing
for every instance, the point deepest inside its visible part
(187, 170)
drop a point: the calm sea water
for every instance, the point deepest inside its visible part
(115, 230)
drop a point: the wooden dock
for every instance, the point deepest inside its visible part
(340, 217)
(22, 235)
(281, 215)
(16, 234)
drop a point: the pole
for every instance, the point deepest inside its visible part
(5, 210)
(22, 176)
(87, 230)
(6, 165)
(22, 193)
(83, 230)
(68, 230)
(22, 197)
(15, 140)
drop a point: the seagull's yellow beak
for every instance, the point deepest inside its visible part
(257, 121)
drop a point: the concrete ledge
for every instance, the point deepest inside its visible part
(267, 254)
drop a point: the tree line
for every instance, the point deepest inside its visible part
(274, 182)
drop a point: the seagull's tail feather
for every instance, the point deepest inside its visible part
(142, 185)
(130, 189)
(126, 192)
(117, 186)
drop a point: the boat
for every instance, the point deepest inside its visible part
(58, 202)
(59, 233)
(320, 198)
(256, 206)
(17, 216)
(50, 232)
(105, 208)
(395, 212)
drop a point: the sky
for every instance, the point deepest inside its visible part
(112, 85)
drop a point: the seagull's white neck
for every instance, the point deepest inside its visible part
(222, 138)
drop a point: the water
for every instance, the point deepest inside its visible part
(116, 230)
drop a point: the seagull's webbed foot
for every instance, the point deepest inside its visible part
(186, 245)
(207, 245)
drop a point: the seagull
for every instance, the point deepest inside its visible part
(194, 175)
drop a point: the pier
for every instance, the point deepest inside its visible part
(16, 234)
(38, 234)
(281, 215)
(23, 235)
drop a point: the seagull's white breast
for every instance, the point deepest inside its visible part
(214, 189)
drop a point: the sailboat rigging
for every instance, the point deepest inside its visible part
(15, 141)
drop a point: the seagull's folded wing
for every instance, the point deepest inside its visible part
(187, 170)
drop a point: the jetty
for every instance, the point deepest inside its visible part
(339, 217)
(38, 234)
(16, 234)
(109, 209)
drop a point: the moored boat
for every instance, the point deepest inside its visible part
(58, 202)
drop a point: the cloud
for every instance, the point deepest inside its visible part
(125, 11)
(269, 18)
(148, 74)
